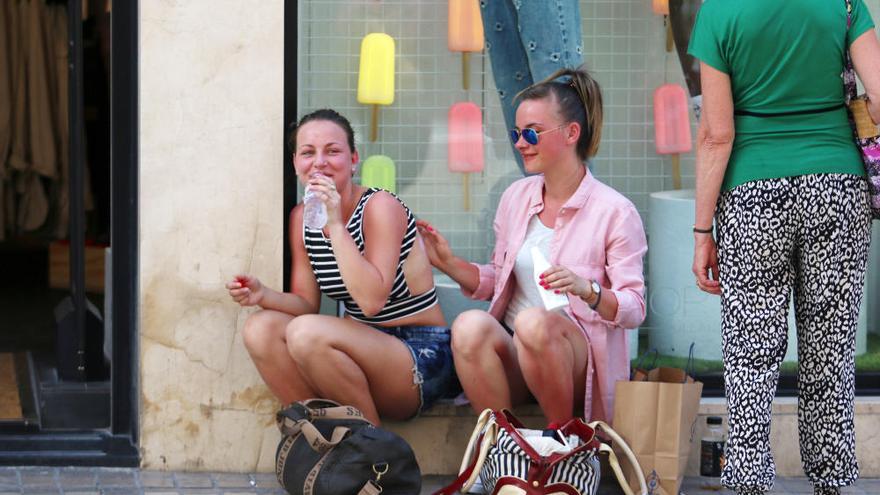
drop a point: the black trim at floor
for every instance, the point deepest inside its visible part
(867, 384)
(85, 448)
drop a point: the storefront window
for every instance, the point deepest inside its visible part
(624, 47)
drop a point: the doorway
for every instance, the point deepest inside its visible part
(68, 162)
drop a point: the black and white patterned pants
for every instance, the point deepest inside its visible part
(808, 234)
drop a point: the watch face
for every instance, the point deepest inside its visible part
(595, 286)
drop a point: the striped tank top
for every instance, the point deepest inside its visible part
(400, 301)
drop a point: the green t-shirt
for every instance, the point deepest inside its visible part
(783, 56)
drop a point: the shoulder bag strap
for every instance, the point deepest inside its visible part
(482, 439)
(849, 74)
(474, 443)
(615, 465)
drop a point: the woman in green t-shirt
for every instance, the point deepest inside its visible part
(777, 165)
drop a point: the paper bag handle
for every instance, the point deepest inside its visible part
(689, 367)
(615, 465)
(642, 358)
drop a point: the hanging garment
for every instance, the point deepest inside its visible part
(36, 145)
(9, 59)
(34, 86)
(528, 41)
(33, 204)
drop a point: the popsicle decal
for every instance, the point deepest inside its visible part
(465, 32)
(672, 128)
(661, 7)
(465, 145)
(376, 75)
(379, 171)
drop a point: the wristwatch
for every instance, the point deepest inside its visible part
(597, 289)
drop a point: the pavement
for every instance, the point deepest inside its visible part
(112, 481)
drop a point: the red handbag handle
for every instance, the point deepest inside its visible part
(540, 467)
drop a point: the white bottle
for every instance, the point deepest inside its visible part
(314, 211)
(551, 300)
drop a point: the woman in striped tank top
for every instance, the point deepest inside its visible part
(389, 355)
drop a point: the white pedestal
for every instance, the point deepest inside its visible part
(678, 312)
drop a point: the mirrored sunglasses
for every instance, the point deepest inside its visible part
(529, 134)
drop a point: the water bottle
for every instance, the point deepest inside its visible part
(314, 211)
(712, 453)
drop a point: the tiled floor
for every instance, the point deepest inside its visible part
(94, 481)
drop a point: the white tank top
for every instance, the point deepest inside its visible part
(526, 294)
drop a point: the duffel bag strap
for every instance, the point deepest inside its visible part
(372, 487)
(289, 418)
(319, 442)
(615, 464)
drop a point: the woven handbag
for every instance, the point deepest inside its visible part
(502, 455)
(865, 132)
(329, 449)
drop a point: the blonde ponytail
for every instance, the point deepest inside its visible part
(580, 100)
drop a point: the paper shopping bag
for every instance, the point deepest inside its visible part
(657, 418)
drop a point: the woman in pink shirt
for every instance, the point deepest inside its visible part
(594, 239)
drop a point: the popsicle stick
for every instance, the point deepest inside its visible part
(466, 187)
(669, 41)
(374, 123)
(465, 66)
(676, 171)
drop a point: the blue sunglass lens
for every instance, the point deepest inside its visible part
(529, 134)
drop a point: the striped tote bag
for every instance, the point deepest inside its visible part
(508, 459)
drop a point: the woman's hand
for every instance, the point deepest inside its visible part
(436, 246)
(325, 189)
(706, 264)
(561, 280)
(246, 290)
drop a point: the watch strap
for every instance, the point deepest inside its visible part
(598, 294)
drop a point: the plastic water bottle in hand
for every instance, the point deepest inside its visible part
(314, 210)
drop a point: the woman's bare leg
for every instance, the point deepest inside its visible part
(355, 364)
(486, 362)
(265, 338)
(553, 355)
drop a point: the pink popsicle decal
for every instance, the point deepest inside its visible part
(465, 145)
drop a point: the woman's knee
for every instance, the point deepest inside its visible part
(307, 336)
(534, 331)
(260, 334)
(472, 332)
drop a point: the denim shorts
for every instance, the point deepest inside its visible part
(434, 371)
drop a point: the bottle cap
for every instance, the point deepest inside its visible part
(714, 420)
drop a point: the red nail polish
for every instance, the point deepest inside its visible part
(557, 292)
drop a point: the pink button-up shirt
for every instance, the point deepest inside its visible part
(598, 235)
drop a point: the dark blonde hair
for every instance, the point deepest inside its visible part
(579, 98)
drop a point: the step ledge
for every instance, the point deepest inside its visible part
(708, 406)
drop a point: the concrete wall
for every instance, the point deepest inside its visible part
(211, 74)
(211, 134)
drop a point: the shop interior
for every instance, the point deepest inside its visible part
(49, 380)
